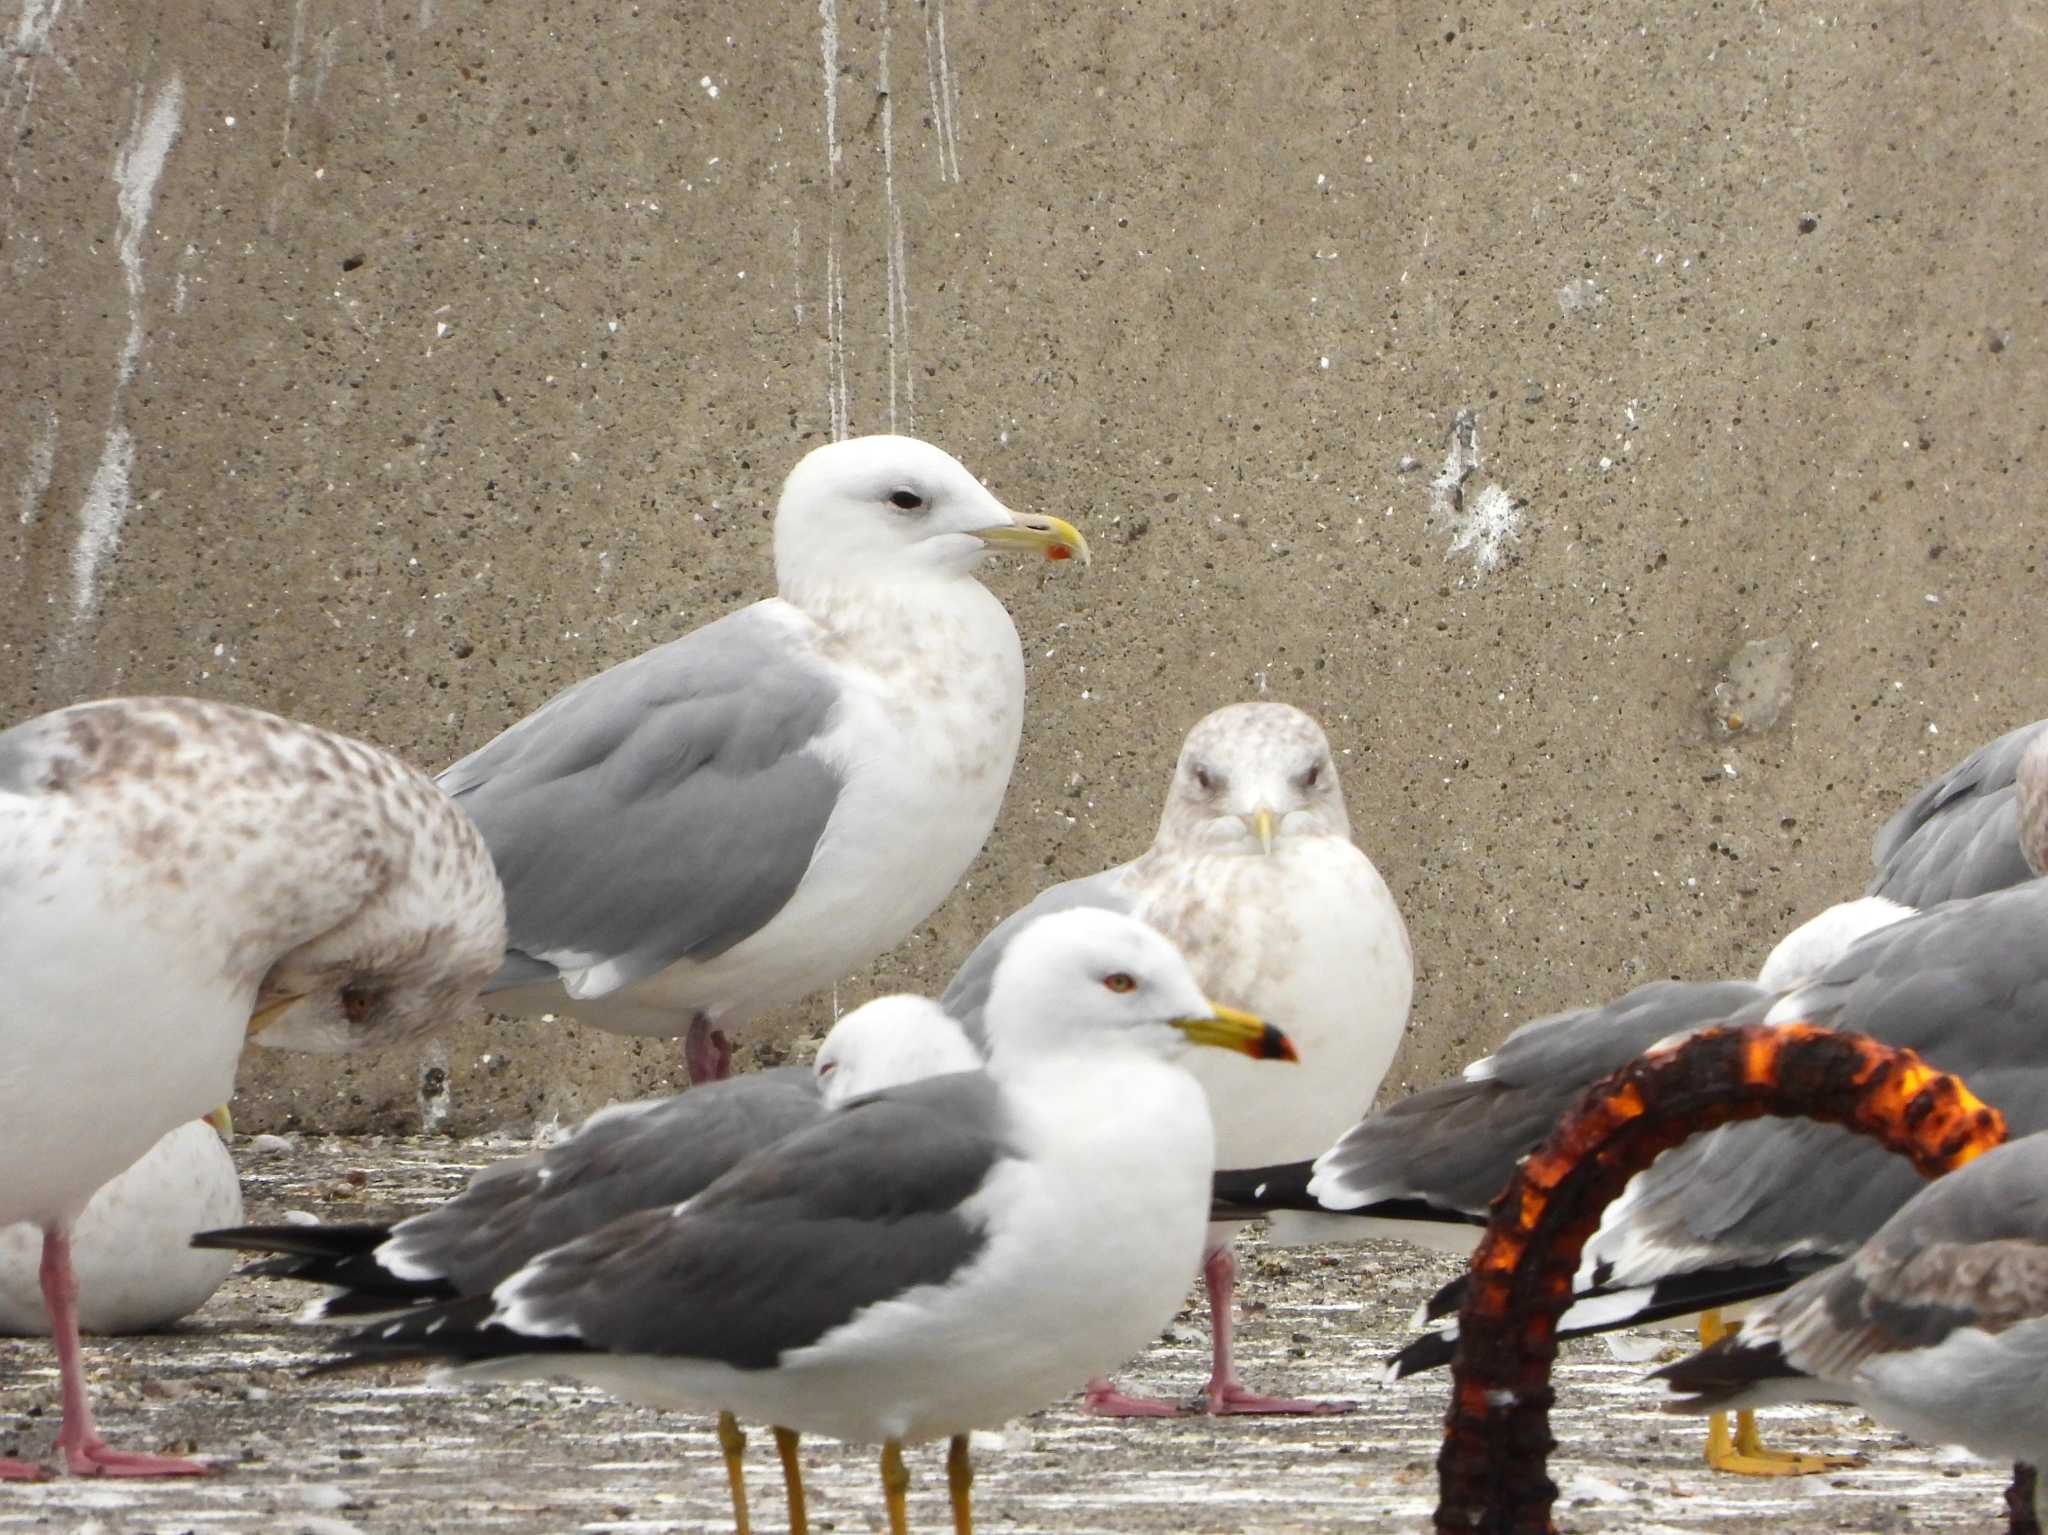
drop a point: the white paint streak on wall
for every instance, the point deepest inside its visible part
(294, 58)
(31, 41)
(105, 509)
(947, 102)
(899, 283)
(1486, 525)
(42, 464)
(138, 167)
(835, 280)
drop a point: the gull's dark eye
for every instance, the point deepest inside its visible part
(1204, 780)
(355, 1003)
(1119, 982)
(906, 501)
(826, 1068)
(1312, 776)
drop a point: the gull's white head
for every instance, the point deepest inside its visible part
(1088, 978)
(891, 506)
(888, 1041)
(1252, 775)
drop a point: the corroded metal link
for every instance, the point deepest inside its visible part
(1491, 1475)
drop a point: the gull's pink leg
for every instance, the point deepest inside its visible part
(85, 1453)
(707, 1053)
(1225, 1392)
(1105, 1401)
(22, 1471)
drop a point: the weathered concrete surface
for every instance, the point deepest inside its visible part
(378, 1453)
(392, 363)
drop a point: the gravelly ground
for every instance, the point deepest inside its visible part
(377, 1451)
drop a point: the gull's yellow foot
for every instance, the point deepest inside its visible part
(895, 1483)
(792, 1481)
(1743, 1453)
(959, 1481)
(733, 1444)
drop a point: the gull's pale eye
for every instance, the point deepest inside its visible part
(907, 501)
(1119, 982)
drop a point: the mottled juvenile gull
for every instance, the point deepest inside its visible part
(1254, 875)
(928, 1260)
(1937, 1325)
(131, 1249)
(176, 875)
(743, 815)
(1963, 834)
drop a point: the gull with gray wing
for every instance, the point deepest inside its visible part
(736, 818)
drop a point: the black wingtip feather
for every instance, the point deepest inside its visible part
(342, 1241)
(1722, 1372)
(460, 1330)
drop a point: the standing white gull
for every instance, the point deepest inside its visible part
(131, 1249)
(742, 815)
(176, 875)
(1254, 875)
(1937, 1325)
(930, 1259)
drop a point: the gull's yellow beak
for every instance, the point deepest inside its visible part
(222, 1121)
(1228, 1029)
(1261, 823)
(1055, 537)
(264, 1017)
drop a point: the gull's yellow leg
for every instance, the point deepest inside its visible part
(734, 1444)
(1742, 1452)
(792, 1481)
(960, 1483)
(895, 1483)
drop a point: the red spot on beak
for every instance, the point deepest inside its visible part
(1058, 552)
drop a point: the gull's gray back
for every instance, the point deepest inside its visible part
(660, 811)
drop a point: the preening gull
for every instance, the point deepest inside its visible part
(930, 1259)
(628, 1157)
(1963, 833)
(1254, 875)
(740, 816)
(1937, 1325)
(176, 875)
(131, 1248)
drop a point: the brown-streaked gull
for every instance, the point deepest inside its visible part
(736, 818)
(176, 875)
(928, 1260)
(131, 1248)
(1254, 875)
(1937, 1325)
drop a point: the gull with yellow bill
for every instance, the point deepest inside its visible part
(743, 815)
(928, 1260)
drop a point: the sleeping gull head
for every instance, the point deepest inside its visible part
(1250, 774)
(895, 505)
(890, 1040)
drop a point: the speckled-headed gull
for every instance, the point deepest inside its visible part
(176, 875)
(1254, 875)
(929, 1259)
(743, 815)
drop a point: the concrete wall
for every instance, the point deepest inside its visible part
(391, 363)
